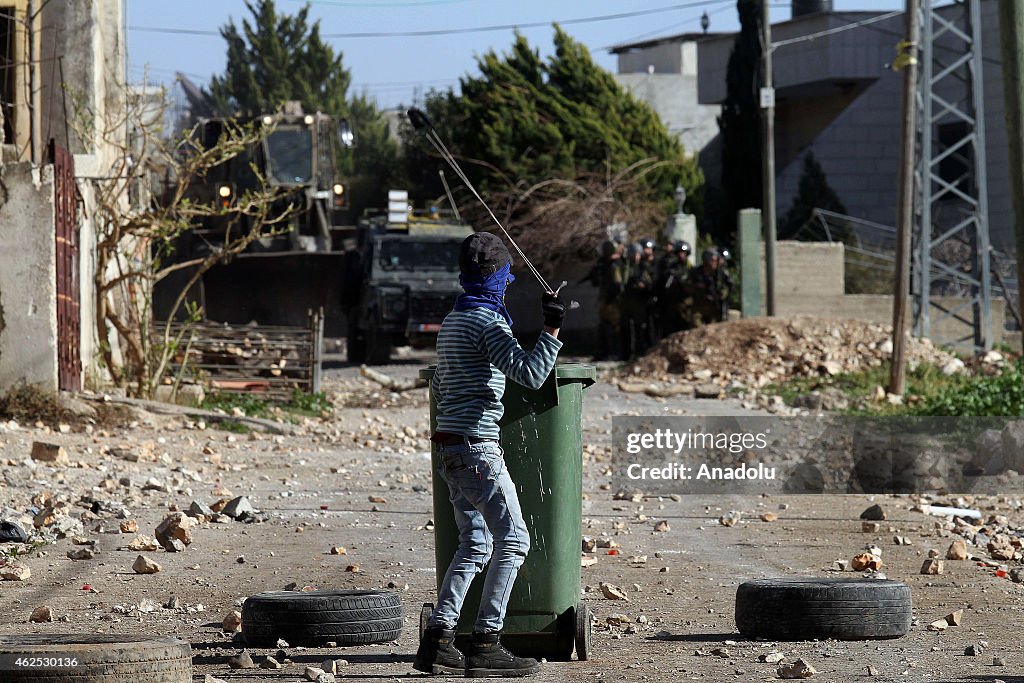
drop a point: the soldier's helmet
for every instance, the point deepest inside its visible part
(634, 249)
(708, 254)
(682, 246)
(607, 248)
(646, 243)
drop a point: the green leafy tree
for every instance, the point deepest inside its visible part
(275, 57)
(740, 125)
(556, 140)
(814, 193)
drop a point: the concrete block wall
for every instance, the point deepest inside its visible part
(28, 277)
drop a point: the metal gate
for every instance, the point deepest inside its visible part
(69, 323)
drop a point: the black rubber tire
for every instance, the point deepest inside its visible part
(378, 347)
(584, 632)
(100, 659)
(348, 617)
(355, 347)
(425, 612)
(807, 609)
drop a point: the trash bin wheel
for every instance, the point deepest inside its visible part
(425, 612)
(584, 632)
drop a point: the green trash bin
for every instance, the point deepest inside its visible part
(541, 434)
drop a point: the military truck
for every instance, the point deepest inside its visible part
(280, 277)
(400, 282)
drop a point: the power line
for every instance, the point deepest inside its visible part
(457, 31)
(837, 29)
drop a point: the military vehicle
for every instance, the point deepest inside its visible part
(400, 282)
(280, 277)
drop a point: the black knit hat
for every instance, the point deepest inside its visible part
(482, 254)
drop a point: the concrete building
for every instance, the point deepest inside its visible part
(836, 96)
(663, 73)
(65, 60)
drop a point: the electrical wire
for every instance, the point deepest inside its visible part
(457, 31)
(837, 29)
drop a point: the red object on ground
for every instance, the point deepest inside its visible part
(613, 551)
(87, 587)
(323, 507)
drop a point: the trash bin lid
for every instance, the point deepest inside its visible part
(575, 371)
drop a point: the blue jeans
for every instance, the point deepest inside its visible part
(491, 529)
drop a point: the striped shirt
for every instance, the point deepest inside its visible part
(476, 351)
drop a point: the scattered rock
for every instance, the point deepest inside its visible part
(1017, 575)
(662, 526)
(797, 669)
(707, 390)
(198, 509)
(270, 663)
(339, 550)
(143, 543)
(41, 614)
(613, 592)
(238, 507)
(175, 532)
(973, 650)
(232, 622)
(129, 526)
(12, 532)
(769, 517)
(771, 657)
(212, 679)
(954, 618)
(870, 527)
(1000, 547)
(243, 660)
(81, 553)
(866, 561)
(932, 566)
(957, 550)
(873, 670)
(998, 661)
(730, 518)
(938, 625)
(144, 565)
(312, 673)
(49, 452)
(874, 513)
(587, 561)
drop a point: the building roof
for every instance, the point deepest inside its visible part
(691, 36)
(696, 36)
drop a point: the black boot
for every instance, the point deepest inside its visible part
(488, 659)
(437, 653)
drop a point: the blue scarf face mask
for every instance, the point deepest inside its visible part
(486, 292)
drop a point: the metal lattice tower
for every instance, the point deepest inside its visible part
(951, 241)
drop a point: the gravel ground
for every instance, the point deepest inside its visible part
(316, 487)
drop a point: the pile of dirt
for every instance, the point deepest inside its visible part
(760, 351)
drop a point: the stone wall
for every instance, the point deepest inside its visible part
(28, 277)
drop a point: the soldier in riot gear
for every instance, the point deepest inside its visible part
(607, 275)
(673, 303)
(709, 285)
(637, 294)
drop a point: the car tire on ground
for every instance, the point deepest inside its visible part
(312, 618)
(91, 658)
(806, 609)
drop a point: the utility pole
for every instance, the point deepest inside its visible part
(908, 61)
(33, 100)
(1011, 37)
(768, 157)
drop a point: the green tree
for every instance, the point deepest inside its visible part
(814, 193)
(556, 138)
(740, 125)
(276, 57)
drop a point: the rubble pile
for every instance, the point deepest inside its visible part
(756, 352)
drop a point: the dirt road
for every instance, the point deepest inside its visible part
(316, 487)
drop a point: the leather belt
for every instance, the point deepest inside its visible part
(446, 439)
